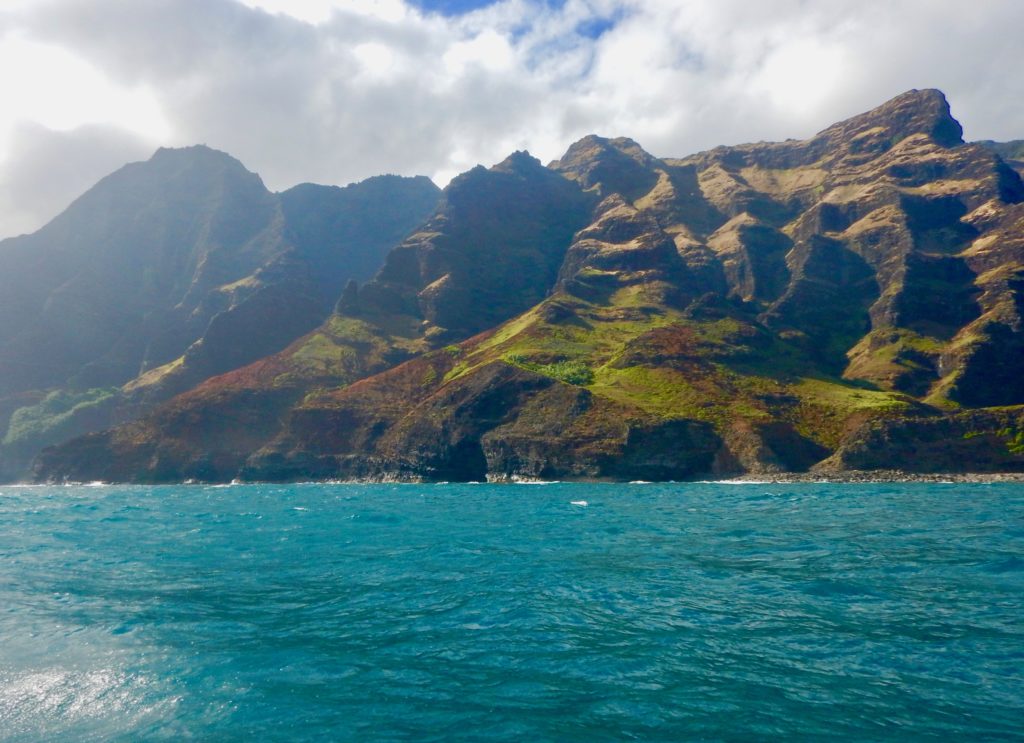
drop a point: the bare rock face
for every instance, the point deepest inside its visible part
(850, 301)
(491, 251)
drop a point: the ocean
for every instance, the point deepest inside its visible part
(547, 612)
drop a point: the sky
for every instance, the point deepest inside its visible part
(334, 91)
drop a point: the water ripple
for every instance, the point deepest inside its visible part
(447, 613)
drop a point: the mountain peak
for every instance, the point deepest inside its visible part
(517, 162)
(607, 166)
(592, 146)
(194, 155)
(913, 112)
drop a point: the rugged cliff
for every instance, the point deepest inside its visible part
(848, 301)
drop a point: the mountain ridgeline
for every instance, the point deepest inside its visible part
(852, 301)
(168, 272)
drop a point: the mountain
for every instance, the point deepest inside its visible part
(850, 301)
(490, 251)
(1011, 152)
(168, 272)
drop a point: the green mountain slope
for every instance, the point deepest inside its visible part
(849, 301)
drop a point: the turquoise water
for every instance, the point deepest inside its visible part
(509, 613)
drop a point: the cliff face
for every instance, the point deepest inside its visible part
(168, 272)
(757, 308)
(490, 251)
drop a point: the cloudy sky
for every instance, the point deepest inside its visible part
(334, 91)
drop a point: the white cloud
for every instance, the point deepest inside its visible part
(338, 90)
(53, 87)
(487, 50)
(793, 73)
(319, 11)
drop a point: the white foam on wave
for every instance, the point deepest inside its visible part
(582, 503)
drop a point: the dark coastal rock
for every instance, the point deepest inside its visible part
(501, 422)
(983, 440)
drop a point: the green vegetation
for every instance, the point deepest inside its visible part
(56, 414)
(658, 362)
(1012, 436)
(342, 350)
(458, 370)
(321, 354)
(661, 392)
(849, 399)
(569, 371)
(895, 358)
(154, 376)
(1014, 439)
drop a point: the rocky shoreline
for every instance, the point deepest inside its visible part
(836, 477)
(881, 476)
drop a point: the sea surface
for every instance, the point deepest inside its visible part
(552, 612)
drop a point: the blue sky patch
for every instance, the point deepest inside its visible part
(595, 27)
(458, 7)
(450, 7)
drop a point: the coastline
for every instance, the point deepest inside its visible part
(880, 476)
(837, 478)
